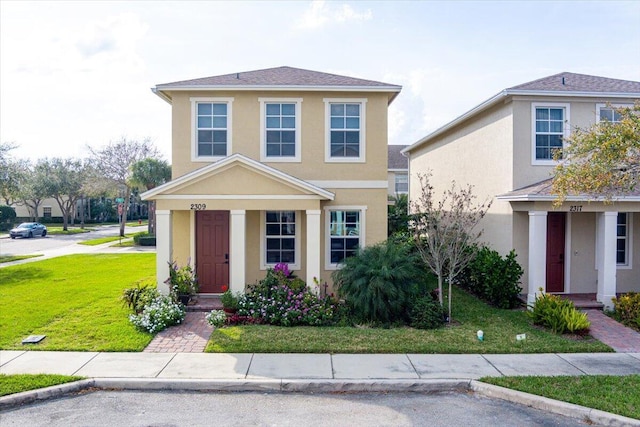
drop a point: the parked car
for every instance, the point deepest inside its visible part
(28, 229)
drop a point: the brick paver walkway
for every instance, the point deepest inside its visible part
(189, 337)
(612, 333)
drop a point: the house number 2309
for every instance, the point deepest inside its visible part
(575, 208)
(198, 206)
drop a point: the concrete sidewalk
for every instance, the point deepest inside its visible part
(281, 367)
(319, 373)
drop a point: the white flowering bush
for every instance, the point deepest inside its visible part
(158, 315)
(216, 318)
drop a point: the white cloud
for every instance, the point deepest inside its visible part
(320, 14)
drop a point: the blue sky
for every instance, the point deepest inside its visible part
(78, 73)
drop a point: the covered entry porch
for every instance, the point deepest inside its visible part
(216, 218)
(580, 248)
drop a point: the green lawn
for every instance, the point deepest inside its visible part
(55, 230)
(10, 384)
(101, 240)
(74, 301)
(500, 328)
(616, 394)
(9, 258)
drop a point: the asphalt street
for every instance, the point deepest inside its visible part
(167, 408)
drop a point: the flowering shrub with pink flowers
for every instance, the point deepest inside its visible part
(280, 300)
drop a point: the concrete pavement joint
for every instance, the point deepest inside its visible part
(560, 356)
(494, 366)
(85, 364)
(166, 365)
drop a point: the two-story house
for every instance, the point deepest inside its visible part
(397, 171)
(281, 165)
(504, 147)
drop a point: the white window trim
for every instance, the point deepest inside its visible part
(327, 130)
(600, 106)
(263, 130)
(629, 265)
(194, 127)
(263, 241)
(327, 231)
(395, 182)
(566, 130)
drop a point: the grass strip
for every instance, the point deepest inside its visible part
(616, 394)
(101, 240)
(10, 258)
(11, 384)
(70, 230)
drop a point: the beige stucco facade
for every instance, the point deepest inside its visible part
(247, 185)
(492, 149)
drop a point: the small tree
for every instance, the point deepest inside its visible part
(65, 180)
(444, 230)
(602, 160)
(115, 161)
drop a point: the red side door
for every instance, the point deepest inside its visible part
(212, 250)
(555, 251)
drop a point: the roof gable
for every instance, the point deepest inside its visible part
(266, 181)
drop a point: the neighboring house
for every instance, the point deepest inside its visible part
(397, 170)
(504, 147)
(269, 166)
(48, 209)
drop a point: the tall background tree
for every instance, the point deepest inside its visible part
(602, 161)
(444, 230)
(33, 187)
(147, 174)
(65, 179)
(115, 161)
(10, 172)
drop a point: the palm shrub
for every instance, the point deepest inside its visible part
(380, 282)
(493, 278)
(138, 297)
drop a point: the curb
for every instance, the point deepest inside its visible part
(570, 410)
(588, 415)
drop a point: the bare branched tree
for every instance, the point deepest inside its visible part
(115, 161)
(444, 230)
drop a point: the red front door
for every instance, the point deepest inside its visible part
(212, 250)
(555, 251)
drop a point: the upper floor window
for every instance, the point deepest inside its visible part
(402, 183)
(211, 137)
(280, 129)
(608, 112)
(550, 127)
(345, 130)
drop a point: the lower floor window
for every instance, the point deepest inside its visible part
(344, 231)
(280, 230)
(622, 242)
(46, 212)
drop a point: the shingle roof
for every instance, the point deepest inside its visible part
(395, 159)
(542, 190)
(572, 82)
(280, 76)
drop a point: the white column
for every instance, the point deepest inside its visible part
(606, 262)
(537, 254)
(238, 252)
(313, 248)
(163, 249)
